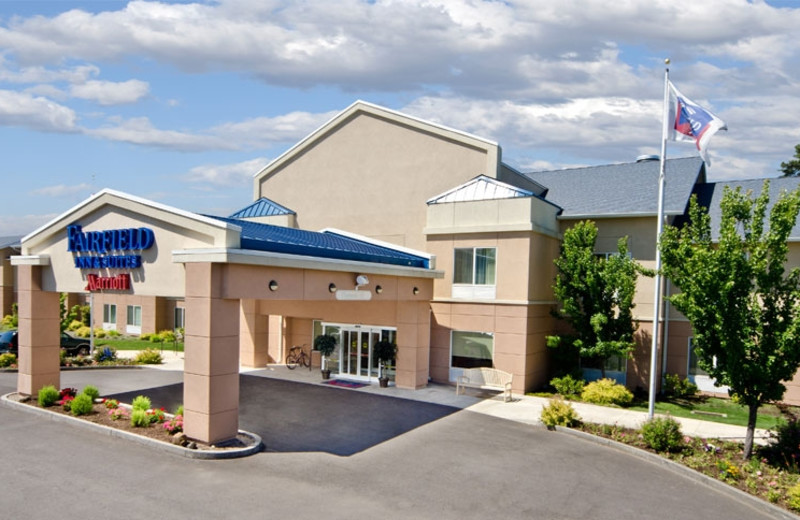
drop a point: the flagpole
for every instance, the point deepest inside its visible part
(659, 229)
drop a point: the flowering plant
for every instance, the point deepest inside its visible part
(174, 425)
(67, 392)
(66, 401)
(156, 415)
(111, 403)
(118, 413)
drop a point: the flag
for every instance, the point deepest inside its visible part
(688, 121)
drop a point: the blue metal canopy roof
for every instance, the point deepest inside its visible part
(277, 239)
(263, 207)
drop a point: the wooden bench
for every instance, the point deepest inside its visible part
(486, 379)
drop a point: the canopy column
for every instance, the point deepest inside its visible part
(39, 333)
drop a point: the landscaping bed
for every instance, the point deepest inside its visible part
(159, 426)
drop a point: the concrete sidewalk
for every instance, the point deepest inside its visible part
(523, 409)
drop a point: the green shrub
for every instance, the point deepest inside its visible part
(83, 332)
(663, 434)
(99, 333)
(82, 404)
(605, 392)
(92, 391)
(48, 396)
(167, 336)
(793, 497)
(141, 402)
(179, 411)
(784, 442)
(113, 333)
(148, 356)
(676, 387)
(7, 359)
(139, 418)
(75, 325)
(568, 386)
(559, 413)
(145, 337)
(155, 338)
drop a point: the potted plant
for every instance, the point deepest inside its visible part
(326, 344)
(385, 352)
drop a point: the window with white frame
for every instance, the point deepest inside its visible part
(474, 272)
(699, 376)
(109, 316)
(133, 322)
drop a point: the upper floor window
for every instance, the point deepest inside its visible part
(475, 265)
(474, 273)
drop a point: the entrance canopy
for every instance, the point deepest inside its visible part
(232, 275)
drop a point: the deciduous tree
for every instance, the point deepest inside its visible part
(743, 306)
(791, 168)
(596, 296)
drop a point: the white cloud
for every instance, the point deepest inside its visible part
(23, 224)
(140, 131)
(110, 92)
(35, 112)
(238, 174)
(63, 190)
(264, 132)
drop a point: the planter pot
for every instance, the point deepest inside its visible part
(384, 382)
(326, 374)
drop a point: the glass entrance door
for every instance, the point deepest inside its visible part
(356, 359)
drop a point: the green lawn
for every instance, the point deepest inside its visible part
(136, 344)
(713, 409)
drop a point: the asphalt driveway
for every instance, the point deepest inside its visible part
(418, 463)
(297, 417)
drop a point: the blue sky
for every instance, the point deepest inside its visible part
(183, 102)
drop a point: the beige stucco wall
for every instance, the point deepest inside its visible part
(372, 176)
(158, 276)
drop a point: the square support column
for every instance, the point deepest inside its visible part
(413, 344)
(39, 333)
(253, 335)
(211, 357)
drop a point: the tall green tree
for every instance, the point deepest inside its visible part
(743, 306)
(596, 296)
(791, 168)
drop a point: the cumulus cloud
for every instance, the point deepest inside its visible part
(35, 112)
(11, 225)
(110, 92)
(264, 132)
(238, 174)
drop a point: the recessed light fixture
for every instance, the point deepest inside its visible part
(332, 288)
(273, 285)
(378, 289)
(416, 290)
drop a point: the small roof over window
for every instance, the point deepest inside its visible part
(481, 188)
(263, 207)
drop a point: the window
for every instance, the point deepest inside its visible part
(699, 376)
(133, 325)
(109, 316)
(471, 349)
(180, 318)
(474, 272)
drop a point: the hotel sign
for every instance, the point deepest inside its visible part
(109, 249)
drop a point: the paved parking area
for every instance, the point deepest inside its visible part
(442, 463)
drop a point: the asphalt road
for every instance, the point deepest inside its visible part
(435, 463)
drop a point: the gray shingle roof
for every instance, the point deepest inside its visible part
(710, 196)
(626, 189)
(12, 241)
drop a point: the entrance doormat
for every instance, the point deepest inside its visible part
(344, 384)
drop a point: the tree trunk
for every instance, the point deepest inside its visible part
(751, 430)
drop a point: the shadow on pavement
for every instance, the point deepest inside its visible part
(297, 417)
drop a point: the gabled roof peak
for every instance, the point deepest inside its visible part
(480, 188)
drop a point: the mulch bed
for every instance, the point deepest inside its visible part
(156, 431)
